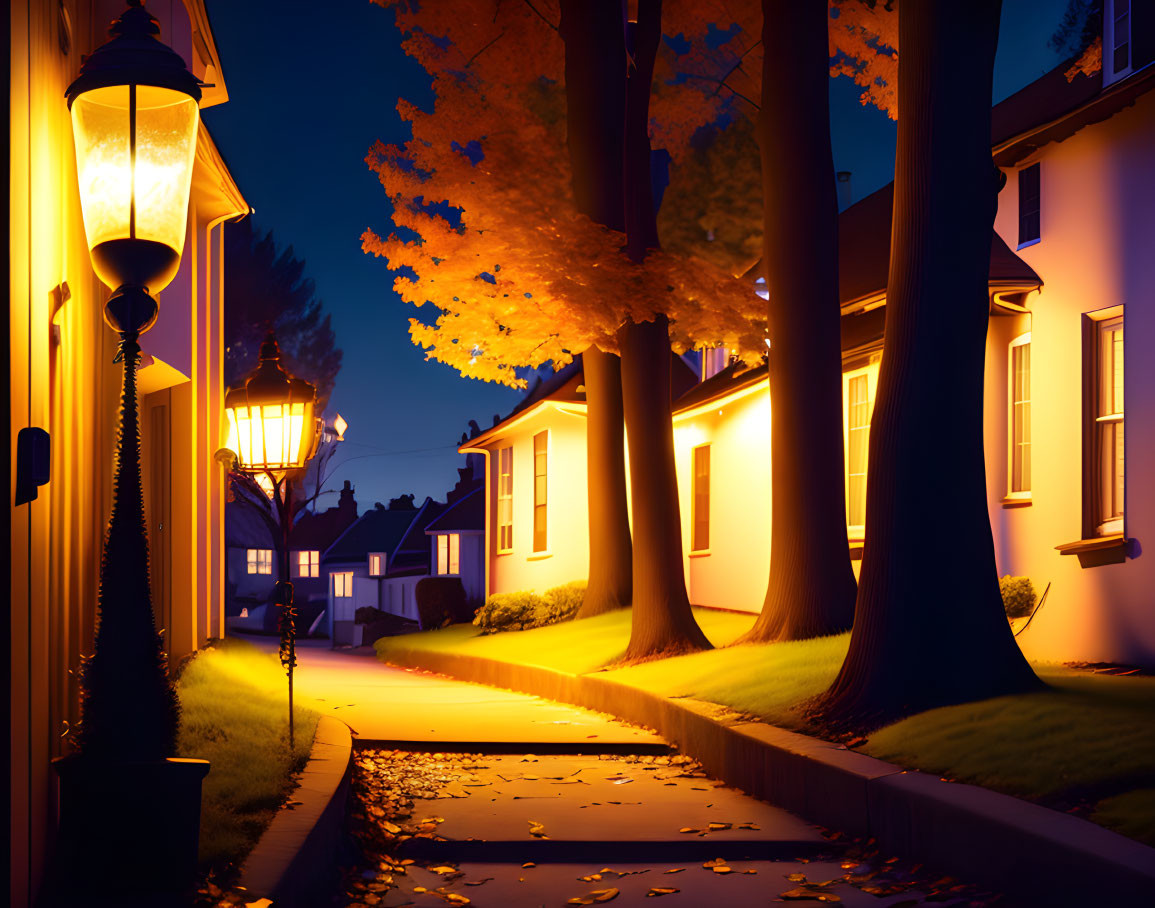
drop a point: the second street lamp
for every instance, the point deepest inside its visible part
(274, 431)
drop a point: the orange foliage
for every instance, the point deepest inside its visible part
(864, 46)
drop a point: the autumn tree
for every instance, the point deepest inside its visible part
(490, 235)
(929, 633)
(268, 290)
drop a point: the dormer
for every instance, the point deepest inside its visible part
(1128, 38)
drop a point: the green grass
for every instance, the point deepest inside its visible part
(234, 714)
(1088, 740)
(572, 646)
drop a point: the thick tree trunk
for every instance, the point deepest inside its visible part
(595, 75)
(811, 586)
(929, 626)
(662, 623)
(611, 551)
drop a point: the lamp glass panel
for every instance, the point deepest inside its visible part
(273, 420)
(296, 433)
(234, 439)
(256, 437)
(143, 200)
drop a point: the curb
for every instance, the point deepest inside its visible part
(988, 838)
(294, 860)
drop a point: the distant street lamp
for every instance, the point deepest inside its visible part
(135, 118)
(273, 431)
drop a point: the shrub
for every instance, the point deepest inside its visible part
(440, 601)
(1018, 595)
(367, 614)
(522, 610)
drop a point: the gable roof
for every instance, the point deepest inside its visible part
(468, 513)
(378, 530)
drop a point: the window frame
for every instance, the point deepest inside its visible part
(259, 561)
(541, 492)
(1037, 212)
(1018, 496)
(1112, 46)
(381, 566)
(311, 566)
(448, 554)
(503, 469)
(856, 531)
(696, 495)
(1095, 523)
(346, 584)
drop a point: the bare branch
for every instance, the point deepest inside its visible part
(540, 16)
(484, 49)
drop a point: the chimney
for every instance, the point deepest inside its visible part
(845, 194)
(348, 503)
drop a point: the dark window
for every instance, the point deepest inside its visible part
(540, 488)
(1122, 36)
(1029, 204)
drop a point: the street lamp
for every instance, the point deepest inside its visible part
(135, 117)
(273, 431)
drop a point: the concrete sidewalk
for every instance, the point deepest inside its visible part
(385, 704)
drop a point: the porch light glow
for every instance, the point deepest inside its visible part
(273, 425)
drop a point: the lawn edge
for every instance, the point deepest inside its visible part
(983, 836)
(294, 861)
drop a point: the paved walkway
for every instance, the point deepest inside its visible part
(391, 705)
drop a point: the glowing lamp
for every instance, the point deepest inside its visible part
(273, 427)
(135, 115)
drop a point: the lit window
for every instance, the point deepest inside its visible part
(540, 484)
(859, 406)
(449, 553)
(343, 585)
(1020, 417)
(307, 564)
(1029, 206)
(377, 562)
(505, 500)
(259, 561)
(700, 503)
(1105, 431)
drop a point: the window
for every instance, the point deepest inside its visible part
(343, 585)
(259, 561)
(1120, 37)
(505, 500)
(540, 484)
(377, 562)
(700, 503)
(1104, 488)
(449, 553)
(859, 406)
(307, 564)
(1019, 485)
(1029, 189)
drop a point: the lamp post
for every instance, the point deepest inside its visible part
(135, 118)
(274, 431)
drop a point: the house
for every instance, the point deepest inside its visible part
(1068, 257)
(252, 561)
(354, 566)
(457, 543)
(62, 379)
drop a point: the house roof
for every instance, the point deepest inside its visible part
(378, 530)
(318, 530)
(1054, 108)
(733, 378)
(467, 513)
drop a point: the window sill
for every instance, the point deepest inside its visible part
(1097, 551)
(505, 551)
(539, 556)
(1012, 501)
(1033, 242)
(700, 553)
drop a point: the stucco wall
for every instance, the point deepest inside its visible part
(1097, 236)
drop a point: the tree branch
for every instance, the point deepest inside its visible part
(484, 49)
(540, 16)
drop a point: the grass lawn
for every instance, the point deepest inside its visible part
(234, 714)
(1087, 741)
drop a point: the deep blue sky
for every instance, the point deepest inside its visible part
(311, 86)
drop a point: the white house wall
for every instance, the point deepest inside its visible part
(1097, 236)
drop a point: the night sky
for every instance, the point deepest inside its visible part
(311, 86)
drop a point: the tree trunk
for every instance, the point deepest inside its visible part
(929, 626)
(611, 551)
(595, 74)
(662, 623)
(811, 587)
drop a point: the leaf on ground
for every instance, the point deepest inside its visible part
(604, 895)
(480, 882)
(723, 869)
(537, 830)
(809, 895)
(753, 826)
(529, 864)
(456, 790)
(717, 862)
(392, 828)
(442, 868)
(661, 890)
(797, 877)
(714, 827)
(687, 829)
(676, 870)
(592, 878)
